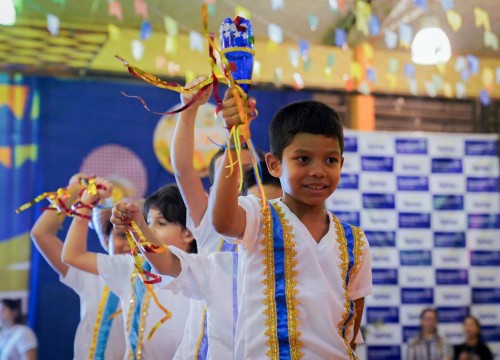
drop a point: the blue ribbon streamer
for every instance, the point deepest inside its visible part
(105, 326)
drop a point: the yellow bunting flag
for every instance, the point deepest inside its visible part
(170, 44)
(243, 12)
(448, 90)
(488, 77)
(481, 18)
(23, 153)
(355, 70)
(368, 51)
(171, 26)
(190, 75)
(271, 46)
(363, 12)
(441, 68)
(491, 40)
(454, 19)
(392, 80)
(114, 32)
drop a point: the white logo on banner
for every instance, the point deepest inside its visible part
(376, 144)
(486, 166)
(416, 276)
(380, 334)
(352, 163)
(414, 202)
(483, 239)
(385, 296)
(482, 203)
(344, 200)
(384, 257)
(488, 277)
(444, 146)
(487, 314)
(378, 219)
(450, 258)
(377, 183)
(449, 221)
(447, 184)
(414, 239)
(452, 296)
(412, 165)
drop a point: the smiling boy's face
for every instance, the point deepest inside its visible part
(309, 170)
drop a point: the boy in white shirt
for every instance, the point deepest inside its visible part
(166, 217)
(95, 337)
(303, 274)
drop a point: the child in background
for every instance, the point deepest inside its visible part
(271, 185)
(303, 274)
(474, 346)
(165, 217)
(201, 277)
(17, 341)
(94, 295)
(428, 344)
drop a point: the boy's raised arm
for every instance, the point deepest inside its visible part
(182, 152)
(44, 232)
(164, 262)
(227, 217)
(75, 252)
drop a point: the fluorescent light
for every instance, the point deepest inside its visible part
(7, 12)
(430, 47)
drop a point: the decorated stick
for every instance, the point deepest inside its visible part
(237, 41)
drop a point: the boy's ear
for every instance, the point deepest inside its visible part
(187, 236)
(273, 165)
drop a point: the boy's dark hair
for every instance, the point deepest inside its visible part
(168, 200)
(14, 305)
(308, 116)
(219, 153)
(267, 179)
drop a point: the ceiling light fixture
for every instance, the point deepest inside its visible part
(7, 12)
(430, 45)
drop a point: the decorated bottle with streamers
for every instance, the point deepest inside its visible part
(236, 38)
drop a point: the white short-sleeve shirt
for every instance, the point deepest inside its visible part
(16, 341)
(207, 239)
(210, 278)
(116, 271)
(89, 288)
(320, 293)
(193, 331)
